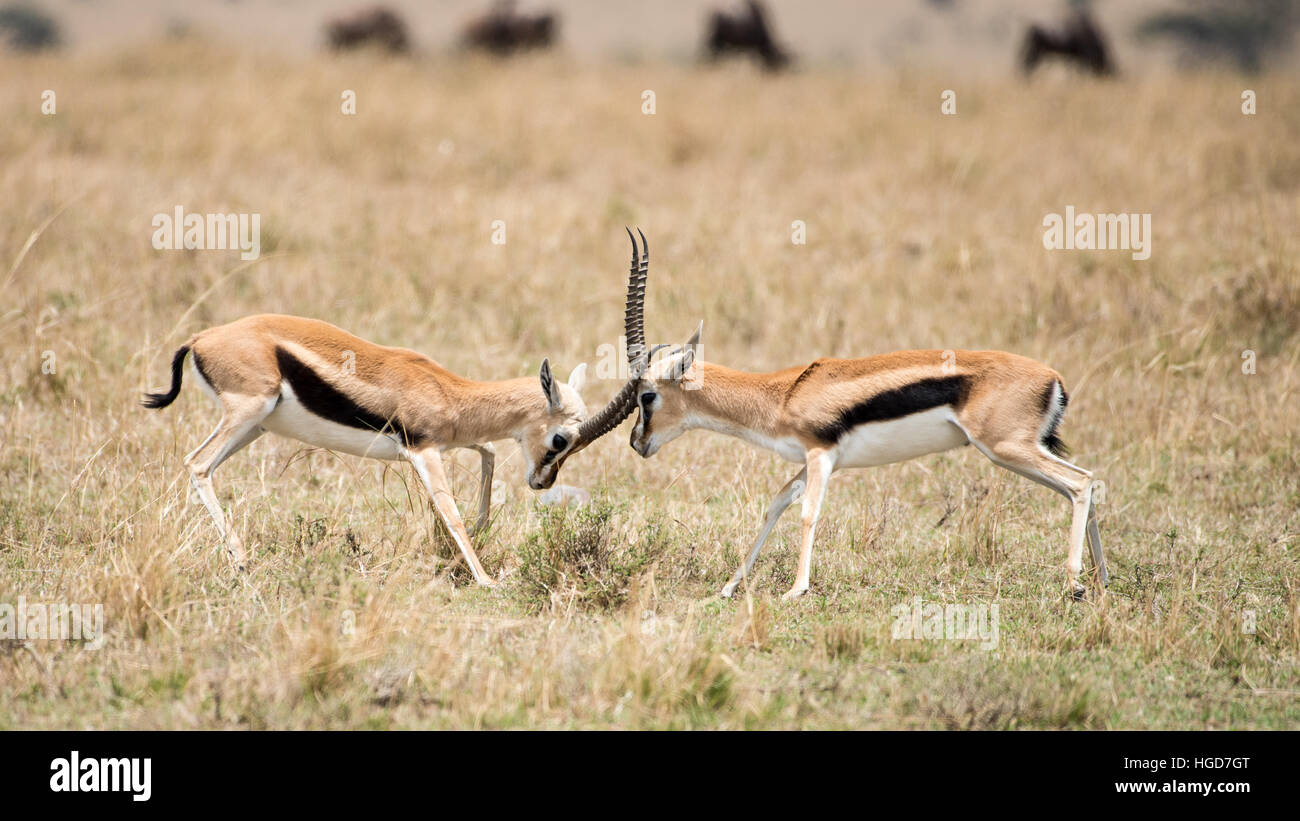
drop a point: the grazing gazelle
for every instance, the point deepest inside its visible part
(313, 382)
(851, 413)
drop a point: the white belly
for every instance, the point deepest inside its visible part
(293, 420)
(882, 443)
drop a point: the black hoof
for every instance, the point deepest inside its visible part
(1079, 594)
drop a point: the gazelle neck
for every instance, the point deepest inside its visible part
(490, 411)
(740, 404)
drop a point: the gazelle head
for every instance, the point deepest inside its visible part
(565, 427)
(549, 438)
(661, 400)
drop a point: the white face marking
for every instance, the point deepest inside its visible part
(291, 419)
(897, 440)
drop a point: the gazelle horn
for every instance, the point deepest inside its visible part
(624, 402)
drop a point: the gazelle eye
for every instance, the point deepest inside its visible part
(558, 442)
(647, 398)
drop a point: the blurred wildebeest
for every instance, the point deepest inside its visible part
(374, 26)
(1078, 41)
(742, 31)
(1249, 32)
(504, 30)
(27, 29)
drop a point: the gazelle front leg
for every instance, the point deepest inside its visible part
(789, 495)
(489, 457)
(428, 464)
(821, 462)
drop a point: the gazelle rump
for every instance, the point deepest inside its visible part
(836, 414)
(310, 381)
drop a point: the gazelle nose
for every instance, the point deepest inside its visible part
(543, 483)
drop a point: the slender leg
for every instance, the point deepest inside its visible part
(789, 495)
(1094, 541)
(488, 455)
(821, 463)
(428, 464)
(240, 425)
(1071, 481)
(1078, 533)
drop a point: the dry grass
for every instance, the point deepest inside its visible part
(923, 232)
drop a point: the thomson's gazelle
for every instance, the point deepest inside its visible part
(850, 413)
(313, 382)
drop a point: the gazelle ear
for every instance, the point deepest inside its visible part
(578, 378)
(549, 388)
(695, 337)
(682, 365)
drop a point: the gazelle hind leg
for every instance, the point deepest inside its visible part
(1028, 459)
(789, 495)
(1094, 541)
(240, 425)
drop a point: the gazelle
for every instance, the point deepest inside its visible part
(308, 380)
(836, 414)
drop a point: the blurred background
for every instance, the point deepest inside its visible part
(979, 35)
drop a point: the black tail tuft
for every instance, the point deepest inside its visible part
(162, 400)
(1055, 413)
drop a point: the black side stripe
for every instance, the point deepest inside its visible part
(914, 397)
(324, 400)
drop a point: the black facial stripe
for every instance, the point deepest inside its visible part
(324, 400)
(914, 397)
(646, 400)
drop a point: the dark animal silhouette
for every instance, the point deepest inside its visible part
(1078, 41)
(745, 31)
(28, 29)
(1248, 32)
(374, 26)
(503, 31)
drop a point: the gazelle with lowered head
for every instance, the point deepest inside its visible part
(310, 381)
(836, 414)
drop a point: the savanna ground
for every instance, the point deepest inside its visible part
(923, 230)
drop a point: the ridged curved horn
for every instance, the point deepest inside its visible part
(624, 402)
(618, 409)
(634, 312)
